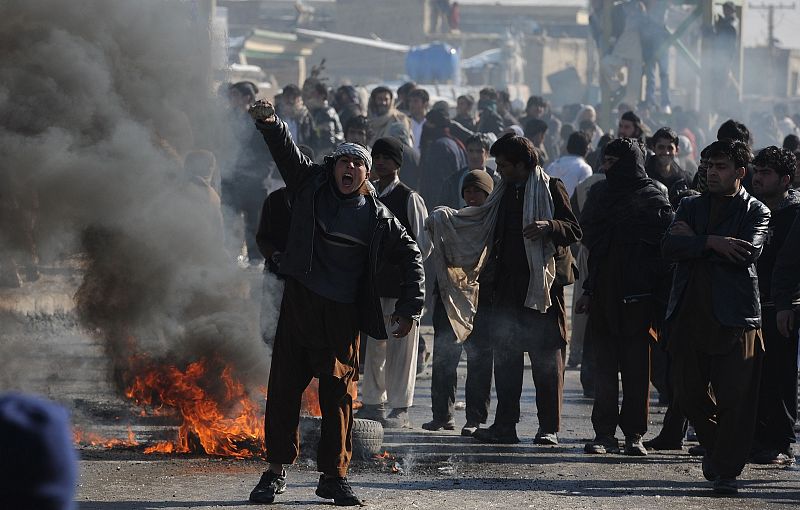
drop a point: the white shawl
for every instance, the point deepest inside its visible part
(462, 241)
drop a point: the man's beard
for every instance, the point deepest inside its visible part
(381, 110)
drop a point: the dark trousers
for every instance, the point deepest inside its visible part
(446, 356)
(659, 373)
(625, 351)
(723, 416)
(587, 364)
(547, 365)
(673, 430)
(315, 337)
(521, 330)
(777, 403)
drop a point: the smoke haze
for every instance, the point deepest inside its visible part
(99, 102)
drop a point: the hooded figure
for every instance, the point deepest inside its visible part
(613, 205)
(623, 221)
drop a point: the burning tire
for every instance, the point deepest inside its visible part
(367, 436)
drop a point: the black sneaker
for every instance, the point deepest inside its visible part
(659, 443)
(772, 456)
(269, 485)
(602, 445)
(497, 434)
(709, 473)
(726, 486)
(436, 425)
(634, 446)
(697, 450)
(469, 428)
(338, 490)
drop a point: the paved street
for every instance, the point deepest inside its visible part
(444, 470)
(51, 356)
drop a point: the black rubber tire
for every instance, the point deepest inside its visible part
(367, 436)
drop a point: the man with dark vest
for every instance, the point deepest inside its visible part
(391, 365)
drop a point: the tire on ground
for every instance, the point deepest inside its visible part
(367, 436)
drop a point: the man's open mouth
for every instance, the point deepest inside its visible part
(347, 180)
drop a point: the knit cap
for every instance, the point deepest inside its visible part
(390, 147)
(480, 179)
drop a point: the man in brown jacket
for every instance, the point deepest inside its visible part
(519, 329)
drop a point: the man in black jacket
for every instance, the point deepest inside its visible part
(623, 220)
(715, 313)
(339, 234)
(777, 403)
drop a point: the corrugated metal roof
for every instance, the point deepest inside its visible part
(532, 3)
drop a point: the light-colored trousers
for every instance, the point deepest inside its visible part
(390, 366)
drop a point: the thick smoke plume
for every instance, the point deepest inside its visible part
(99, 101)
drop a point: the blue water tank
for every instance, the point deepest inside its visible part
(433, 63)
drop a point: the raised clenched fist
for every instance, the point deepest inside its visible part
(262, 110)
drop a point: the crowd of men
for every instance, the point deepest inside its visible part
(683, 261)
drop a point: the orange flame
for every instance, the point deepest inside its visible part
(385, 455)
(310, 402)
(217, 422)
(81, 437)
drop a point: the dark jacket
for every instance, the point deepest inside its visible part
(467, 122)
(628, 214)
(273, 227)
(677, 180)
(490, 122)
(327, 130)
(389, 241)
(440, 159)
(786, 274)
(735, 289)
(780, 223)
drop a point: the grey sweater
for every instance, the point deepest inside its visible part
(341, 241)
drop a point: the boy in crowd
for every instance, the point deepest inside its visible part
(476, 187)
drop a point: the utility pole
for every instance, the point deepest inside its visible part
(771, 8)
(605, 42)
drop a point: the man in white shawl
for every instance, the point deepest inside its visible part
(523, 230)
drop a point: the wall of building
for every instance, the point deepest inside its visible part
(766, 73)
